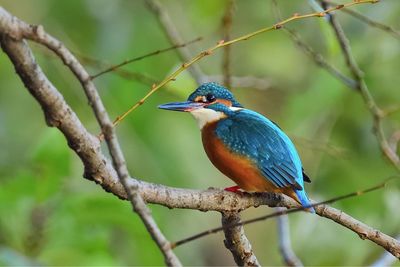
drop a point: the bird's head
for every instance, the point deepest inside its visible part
(208, 103)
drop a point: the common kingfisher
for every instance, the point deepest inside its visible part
(244, 145)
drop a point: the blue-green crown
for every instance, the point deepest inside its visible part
(216, 90)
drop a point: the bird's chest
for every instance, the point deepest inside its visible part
(234, 165)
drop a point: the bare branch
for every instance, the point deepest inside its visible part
(237, 81)
(174, 37)
(38, 84)
(357, 74)
(237, 242)
(315, 56)
(370, 22)
(285, 244)
(128, 61)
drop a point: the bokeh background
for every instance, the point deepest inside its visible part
(50, 215)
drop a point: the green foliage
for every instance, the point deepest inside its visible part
(50, 215)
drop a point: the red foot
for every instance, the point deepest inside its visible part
(234, 189)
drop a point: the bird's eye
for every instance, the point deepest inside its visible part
(210, 97)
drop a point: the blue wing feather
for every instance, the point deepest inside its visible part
(252, 135)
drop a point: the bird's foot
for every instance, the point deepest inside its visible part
(234, 189)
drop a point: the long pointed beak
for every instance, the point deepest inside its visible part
(182, 106)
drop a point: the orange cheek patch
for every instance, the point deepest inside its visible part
(224, 102)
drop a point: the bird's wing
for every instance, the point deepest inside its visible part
(254, 136)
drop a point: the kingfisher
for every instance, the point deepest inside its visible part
(244, 145)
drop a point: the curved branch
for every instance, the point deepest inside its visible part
(38, 84)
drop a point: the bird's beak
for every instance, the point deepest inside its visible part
(182, 106)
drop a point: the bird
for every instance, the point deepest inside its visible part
(247, 147)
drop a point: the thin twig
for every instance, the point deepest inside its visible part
(370, 22)
(126, 74)
(357, 74)
(315, 56)
(226, 57)
(13, 31)
(174, 37)
(128, 61)
(221, 44)
(285, 244)
(236, 241)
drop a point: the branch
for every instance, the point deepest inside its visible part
(128, 61)
(357, 74)
(370, 22)
(174, 37)
(42, 89)
(315, 56)
(222, 44)
(236, 241)
(237, 81)
(285, 244)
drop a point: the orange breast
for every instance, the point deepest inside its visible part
(238, 168)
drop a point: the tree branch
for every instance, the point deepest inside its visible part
(128, 61)
(33, 78)
(285, 244)
(236, 241)
(314, 55)
(370, 22)
(357, 74)
(174, 37)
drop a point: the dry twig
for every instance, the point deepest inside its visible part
(174, 37)
(128, 61)
(362, 87)
(370, 22)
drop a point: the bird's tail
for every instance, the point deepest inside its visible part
(304, 201)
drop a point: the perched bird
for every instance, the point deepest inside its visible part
(244, 145)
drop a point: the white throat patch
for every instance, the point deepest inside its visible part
(206, 115)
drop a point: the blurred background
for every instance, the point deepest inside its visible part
(50, 215)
